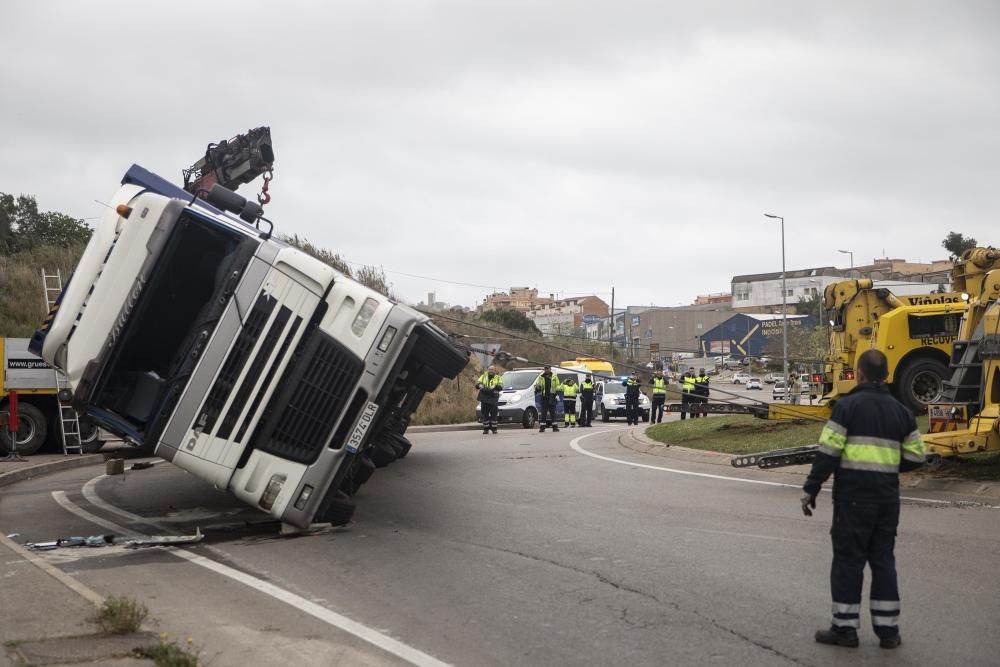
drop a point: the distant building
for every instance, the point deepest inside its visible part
(937, 272)
(564, 316)
(761, 292)
(746, 334)
(518, 298)
(656, 333)
(720, 297)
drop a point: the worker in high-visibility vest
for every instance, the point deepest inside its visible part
(701, 382)
(870, 438)
(587, 402)
(547, 389)
(569, 391)
(659, 397)
(490, 384)
(688, 397)
(632, 399)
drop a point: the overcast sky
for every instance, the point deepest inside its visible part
(569, 146)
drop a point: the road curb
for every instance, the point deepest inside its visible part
(30, 471)
(637, 440)
(443, 428)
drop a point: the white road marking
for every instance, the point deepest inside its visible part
(373, 637)
(575, 445)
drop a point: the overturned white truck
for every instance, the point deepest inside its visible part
(194, 335)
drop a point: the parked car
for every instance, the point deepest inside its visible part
(778, 390)
(611, 403)
(753, 383)
(740, 378)
(771, 378)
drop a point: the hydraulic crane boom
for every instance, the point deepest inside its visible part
(233, 162)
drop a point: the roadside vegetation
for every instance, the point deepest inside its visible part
(121, 616)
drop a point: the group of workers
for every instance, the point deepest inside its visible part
(694, 393)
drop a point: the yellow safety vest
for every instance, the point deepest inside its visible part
(569, 390)
(659, 385)
(490, 382)
(688, 384)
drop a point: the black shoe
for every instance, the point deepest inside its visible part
(494, 431)
(541, 430)
(485, 431)
(555, 429)
(890, 642)
(847, 637)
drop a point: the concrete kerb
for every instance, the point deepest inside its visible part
(28, 471)
(443, 428)
(637, 440)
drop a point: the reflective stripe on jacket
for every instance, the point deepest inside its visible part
(868, 440)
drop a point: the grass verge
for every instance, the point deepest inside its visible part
(976, 467)
(169, 654)
(736, 434)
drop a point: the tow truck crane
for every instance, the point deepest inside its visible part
(967, 417)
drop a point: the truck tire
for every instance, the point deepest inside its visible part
(920, 383)
(529, 419)
(31, 430)
(339, 510)
(404, 445)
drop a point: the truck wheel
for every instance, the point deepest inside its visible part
(339, 511)
(90, 436)
(382, 454)
(31, 430)
(529, 419)
(404, 445)
(921, 382)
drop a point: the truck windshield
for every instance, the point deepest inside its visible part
(519, 379)
(178, 307)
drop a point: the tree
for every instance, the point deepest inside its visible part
(511, 319)
(23, 226)
(956, 243)
(810, 306)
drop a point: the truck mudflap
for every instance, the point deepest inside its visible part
(777, 458)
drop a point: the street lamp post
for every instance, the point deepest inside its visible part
(784, 305)
(851, 253)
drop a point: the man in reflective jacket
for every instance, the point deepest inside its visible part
(586, 402)
(688, 398)
(659, 397)
(489, 385)
(869, 439)
(570, 391)
(701, 383)
(547, 387)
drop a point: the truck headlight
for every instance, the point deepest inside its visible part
(271, 491)
(364, 317)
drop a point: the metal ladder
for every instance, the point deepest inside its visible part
(69, 421)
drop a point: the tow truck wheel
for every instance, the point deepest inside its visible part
(31, 430)
(529, 419)
(921, 382)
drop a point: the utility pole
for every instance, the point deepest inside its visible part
(784, 305)
(611, 327)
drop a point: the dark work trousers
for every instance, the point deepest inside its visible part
(656, 413)
(865, 533)
(586, 411)
(490, 411)
(686, 404)
(548, 412)
(632, 409)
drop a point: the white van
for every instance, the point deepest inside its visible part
(517, 400)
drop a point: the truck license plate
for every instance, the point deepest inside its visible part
(358, 436)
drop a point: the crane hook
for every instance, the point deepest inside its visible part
(264, 197)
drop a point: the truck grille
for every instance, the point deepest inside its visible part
(237, 359)
(313, 394)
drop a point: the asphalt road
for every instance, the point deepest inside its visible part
(519, 549)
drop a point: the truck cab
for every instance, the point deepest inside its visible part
(243, 360)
